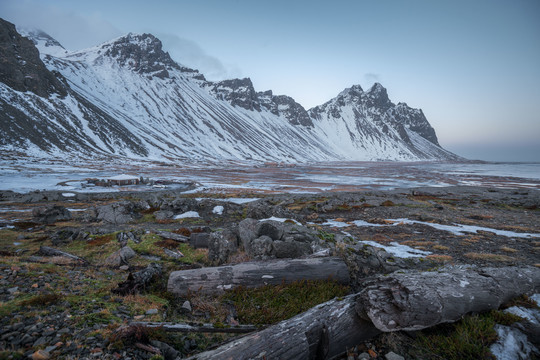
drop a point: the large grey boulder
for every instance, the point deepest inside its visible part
(120, 257)
(272, 229)
(261, 248)
(292, 249)
(247, 232)
(221, 245)
(118, 213)
(51, 214)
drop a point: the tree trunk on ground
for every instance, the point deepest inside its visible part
(322, 332)
(417, 300)
(253, 274)
(401, 301)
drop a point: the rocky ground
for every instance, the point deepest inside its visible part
(65, 259)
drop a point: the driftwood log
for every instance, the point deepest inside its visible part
(400, 301)
(202, 328)
(254, 274)
(417, 300)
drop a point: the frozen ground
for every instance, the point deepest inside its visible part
(30, 175)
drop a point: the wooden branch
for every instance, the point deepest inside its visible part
(254, 274)
(49, 251)
(201, 328)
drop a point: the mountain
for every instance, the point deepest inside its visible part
(127, 97)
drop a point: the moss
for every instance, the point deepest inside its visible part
(468, 338)
(42, 300)
(273, 303)
(326, 236)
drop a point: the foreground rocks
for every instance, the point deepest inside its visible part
(94, 273)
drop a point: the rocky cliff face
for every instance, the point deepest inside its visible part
(128, 97)
(21, 68)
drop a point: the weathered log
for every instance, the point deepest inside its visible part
(172, 236)
(138, 281)
(49, 251)
(202, 328)
(322, 332)
(417, 300)
(411, 300)
(254, 274)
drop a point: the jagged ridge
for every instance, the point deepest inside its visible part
(128, 97)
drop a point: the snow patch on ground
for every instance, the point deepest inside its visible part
(398, 250)
(187, 214)
(512, 344)
(218, 210)
(273, 218)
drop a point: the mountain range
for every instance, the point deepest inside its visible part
(128, 98)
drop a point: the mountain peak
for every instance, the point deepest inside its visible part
(379, 95)
(143, 53)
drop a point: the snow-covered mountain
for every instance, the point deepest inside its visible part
(127, 97)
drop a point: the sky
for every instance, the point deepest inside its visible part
(473, 67)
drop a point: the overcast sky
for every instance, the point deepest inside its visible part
(472, 66)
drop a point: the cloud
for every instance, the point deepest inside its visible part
(190, 54)
(371, 78)
(72, 30)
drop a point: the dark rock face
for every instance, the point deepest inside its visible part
(20, 65)
(142, 53)
(238, 92)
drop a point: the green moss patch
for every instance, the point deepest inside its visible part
(273, 303)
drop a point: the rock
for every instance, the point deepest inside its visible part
(51, 214)
(261, 248)
(163, 214)
(186, 306)
(272, 229)
(221, 246)
(117, 213)
(67, 235)
(120, 257)
(151, 311)
(294, 249)
(393, 356)
(247, 231)
(41, 355)
(168, 352)
(199, 240)
(124, 237)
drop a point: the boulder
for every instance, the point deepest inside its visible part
(261, 248)
(293, 249)
(199, 240)
(272, 229)
(163, 214)
(221, 245)
(247, 231)
(120, 257)
(117, 213)
(51, 214)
